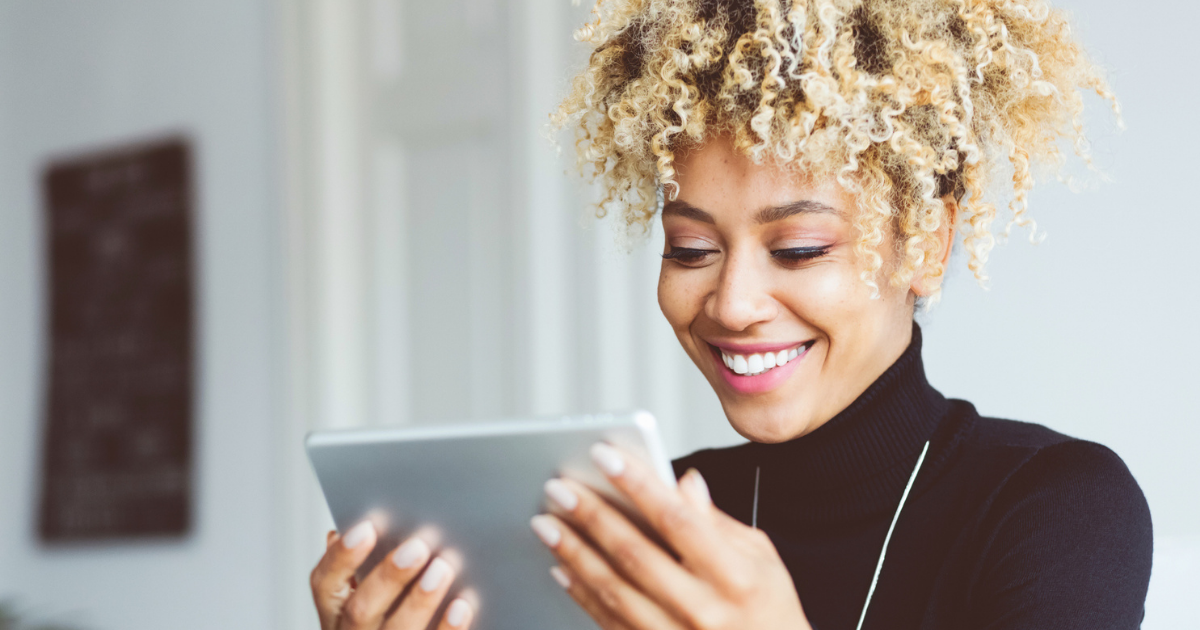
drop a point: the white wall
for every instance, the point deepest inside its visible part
(79, 75)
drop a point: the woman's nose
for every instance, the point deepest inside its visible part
(742, 297)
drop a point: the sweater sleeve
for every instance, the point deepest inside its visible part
(1067, 546)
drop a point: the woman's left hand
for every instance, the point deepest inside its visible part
(727, 575)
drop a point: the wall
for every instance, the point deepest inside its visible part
(80, 75)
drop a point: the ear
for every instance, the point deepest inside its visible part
(928, 279)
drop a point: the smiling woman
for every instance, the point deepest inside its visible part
(810, 162)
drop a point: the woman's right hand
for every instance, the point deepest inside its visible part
(343, 604)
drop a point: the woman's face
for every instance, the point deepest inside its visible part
(759, 269)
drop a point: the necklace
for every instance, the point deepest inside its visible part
(886, 539)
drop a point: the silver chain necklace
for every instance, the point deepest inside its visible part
(886, 539)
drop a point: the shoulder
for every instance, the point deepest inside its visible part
(1078, 490)
(1016, 455)
(1066, 533)
(1077, 468)
(1036, 459)
(1032, 467)
(998, 433)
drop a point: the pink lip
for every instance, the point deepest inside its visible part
(763, 382)
(755, 348)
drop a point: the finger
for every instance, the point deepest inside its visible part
(330, 538)
(694, 489)
(423, 599)
(458, 615)
(690, 530)
(748, 540)
(624, 546)
(367, 606)
(331, 580)
(626, 603)
(587, 600)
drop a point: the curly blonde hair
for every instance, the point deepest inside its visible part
(902, 101)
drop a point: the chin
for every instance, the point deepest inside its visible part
(765, 427)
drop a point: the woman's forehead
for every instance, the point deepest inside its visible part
(716, 180)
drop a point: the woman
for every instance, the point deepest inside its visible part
(811, 161)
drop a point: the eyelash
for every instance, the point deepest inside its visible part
(687, 254)
(792, 255)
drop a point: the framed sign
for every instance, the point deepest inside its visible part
(117, 451)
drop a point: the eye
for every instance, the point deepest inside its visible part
(688, 256)
(795, 256)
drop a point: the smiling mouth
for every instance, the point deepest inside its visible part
(760, 362)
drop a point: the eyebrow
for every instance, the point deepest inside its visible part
(766, 215)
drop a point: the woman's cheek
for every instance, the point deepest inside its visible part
(680, 296)
(824, 293)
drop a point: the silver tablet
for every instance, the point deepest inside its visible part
(476, 486)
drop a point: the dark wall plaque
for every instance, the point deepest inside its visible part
(117, 457)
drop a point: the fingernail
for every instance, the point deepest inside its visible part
(545, 528)
(560, 576)
(457, 613)
(410, 554)
(358, 534)
(695, 487)
(608, 459)
(561, 494)
(435, 575)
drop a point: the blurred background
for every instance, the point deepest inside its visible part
(381, 234)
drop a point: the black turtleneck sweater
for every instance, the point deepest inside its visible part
(1008, 526)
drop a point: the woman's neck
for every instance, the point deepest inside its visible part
(865, 450)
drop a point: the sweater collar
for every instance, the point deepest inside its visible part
(856, 464)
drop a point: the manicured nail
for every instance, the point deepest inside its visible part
(695, 488)
(410, 554)
(560, 576)
(457, 613)
(561, 494)
(435, 575)
(545, 528)
(358, 534)
(608, 459)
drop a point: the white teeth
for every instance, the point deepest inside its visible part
(755, 363)
(739, 364)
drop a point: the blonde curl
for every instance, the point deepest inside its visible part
(902, 101)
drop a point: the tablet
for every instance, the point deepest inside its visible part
(475, 487)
